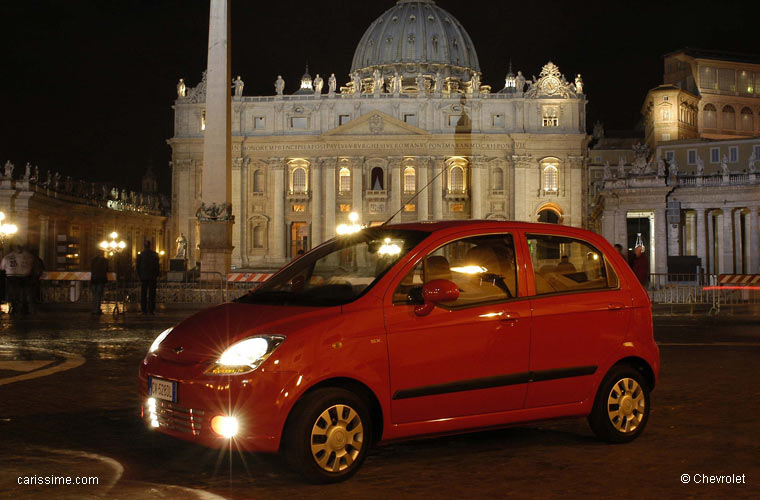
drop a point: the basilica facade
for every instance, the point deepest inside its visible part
(413, 135)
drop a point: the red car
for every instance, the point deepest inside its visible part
(411, 330)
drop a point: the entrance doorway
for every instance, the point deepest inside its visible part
(549, 216)
(299, 238)
(643, 223)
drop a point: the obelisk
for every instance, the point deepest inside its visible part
(215, 213)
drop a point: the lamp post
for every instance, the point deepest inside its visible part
(352, 228)
(6, 231)
(113, 247)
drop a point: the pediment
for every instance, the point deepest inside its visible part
(376, 123)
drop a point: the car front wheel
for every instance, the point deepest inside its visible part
(621, 407)
(328, 435)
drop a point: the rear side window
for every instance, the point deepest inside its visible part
(562, 264)
(483, 267)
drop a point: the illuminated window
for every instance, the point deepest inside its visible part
(299, 208)
(727, 79)
(410, 184)
(456, 207)
(344, 180)
(665, 137)
(345, 207)
(299, 180)
(551, 179)
(728, 120)
(550, 117)
(410, 207)
(377, 179)
(203, 120)
(745, 82)
(710, 116)
(757, 83)
(456, 179)
(708, 78)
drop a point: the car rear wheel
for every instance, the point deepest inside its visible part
(328, 435)
(621, 407)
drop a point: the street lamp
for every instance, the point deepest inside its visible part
(354, 227)
(6, 231)
(113, 246)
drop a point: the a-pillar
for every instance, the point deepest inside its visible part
(727, 242)
(216, 222)
(753, 240)
(422, 180)
(277, 172)
(700, 222)
(316, 203)
(329, 181)
(436, 194)
(476, 195)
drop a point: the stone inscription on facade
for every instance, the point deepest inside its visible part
(389, 146)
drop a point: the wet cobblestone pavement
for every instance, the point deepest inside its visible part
(69, 407)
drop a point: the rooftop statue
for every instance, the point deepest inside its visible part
(27, 171)
(751, 163)
(673, 168)
(181, 88)
(377, 80)
(661, 167)
(438, 83)
(621, 167)
(700, 165)
(332, 84)
(579, 84)
(420, 83)
(181, 246)
(238, 84)
(520, 82)
(279, 85)
(724, 165)
(398, 82)
(357, 79)
(318, 84)
(607, 171)
(8, 170)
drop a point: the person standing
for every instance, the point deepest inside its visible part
(640, 265)
(17, 266)
(148, 271)
(98, 280)
(33, 286)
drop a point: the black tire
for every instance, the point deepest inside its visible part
(624, 422)
(336, 454)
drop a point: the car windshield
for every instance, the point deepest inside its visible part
(339, 271)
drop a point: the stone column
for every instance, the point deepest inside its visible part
(436, 193)
(243, 222)
(753, 236)
(277, 168)
(422, 180)
(711, 265)
(738, 243)
(45, 239)
(329, 180)
(699, 221)
(476, 189)
(216, 227)
(660, 238)
(726, 242)
(394, 164)
(357, 186)
(316, 203)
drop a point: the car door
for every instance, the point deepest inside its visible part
(467, 357)
(580, 315)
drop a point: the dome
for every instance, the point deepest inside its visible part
(416, 36)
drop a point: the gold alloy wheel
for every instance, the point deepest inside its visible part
(337, 438)
(626, 405)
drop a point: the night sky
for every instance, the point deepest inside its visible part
(87, 85)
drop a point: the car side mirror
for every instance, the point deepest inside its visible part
(435, 292)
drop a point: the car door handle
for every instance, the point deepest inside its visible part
(615, 306)
(510, 317)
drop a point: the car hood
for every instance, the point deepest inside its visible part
(205, 335)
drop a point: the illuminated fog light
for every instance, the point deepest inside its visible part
(152, 403)
(224, 426)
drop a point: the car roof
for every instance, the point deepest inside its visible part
(438, 226)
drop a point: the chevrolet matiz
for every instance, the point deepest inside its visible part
(410, 330)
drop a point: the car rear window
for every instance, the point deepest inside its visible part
(562, 264)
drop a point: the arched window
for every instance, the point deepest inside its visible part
(456, 179)
(747, 120)
(299, 180)
(498, 179)
(410, 180)
(344, 180)
(710, 116)
(377, 179)
(258, 181)
(549, 216)
(728, 120)
(551, 178)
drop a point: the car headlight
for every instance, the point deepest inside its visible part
(246, 355)
(159, 339)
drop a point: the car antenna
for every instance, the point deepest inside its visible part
(413, 197)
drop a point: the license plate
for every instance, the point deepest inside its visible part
(162, 389)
